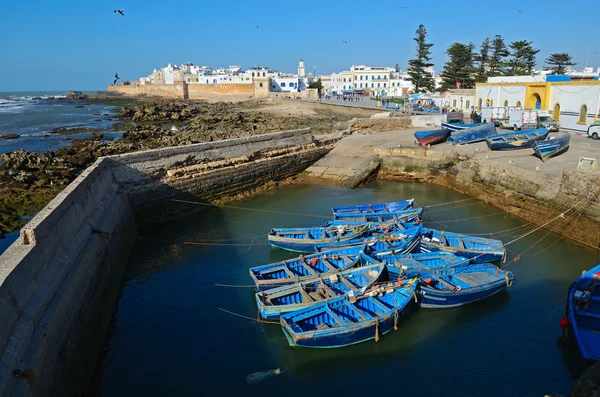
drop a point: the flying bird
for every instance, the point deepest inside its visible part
(256, 26)
(116, 78)
(403, 7)
(521, 11)
(119, 11)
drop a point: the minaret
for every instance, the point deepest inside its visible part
(301, 69)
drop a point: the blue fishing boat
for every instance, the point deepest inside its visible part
(457, 286)
(411, 265)
(584, 314)
(370, 208)
(432, 137)
(349, 320)
(473, 134)
(312, 238)
(274, 302)
(477, 249)
(516, 140)
(306, 267)
(392, 241)
(552, 147)
(404, 216)
(453, 127)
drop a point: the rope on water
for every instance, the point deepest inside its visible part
(252, 209)
(258, 320)
(448, 202)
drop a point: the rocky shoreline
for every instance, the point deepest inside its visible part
(30, 180)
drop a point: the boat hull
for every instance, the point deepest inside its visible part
(409, 215)
(311, 245)
(521, 140)
(473, 134)
(432, 137)
(552, 147)
(457, 126)
(433, 299)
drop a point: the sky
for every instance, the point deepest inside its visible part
(80, 45)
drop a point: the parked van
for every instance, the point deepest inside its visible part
(593, 130)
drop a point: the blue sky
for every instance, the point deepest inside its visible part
(66, 44)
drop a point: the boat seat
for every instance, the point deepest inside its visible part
(446, 283)
(584, 313)
(329, 265)
(348, 283)
(328, 292)
(306, 297)
(347, 259)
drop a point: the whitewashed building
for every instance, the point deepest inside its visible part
(285, 84)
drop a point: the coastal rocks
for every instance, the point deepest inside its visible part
(75, 95)
(10, 136)
(20, 159)
(73, 130)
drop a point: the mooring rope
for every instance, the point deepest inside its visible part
(258, 320)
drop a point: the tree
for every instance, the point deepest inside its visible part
(522, 61)
(483, 59)
(497, 63)
(397, 68)
(559, 62)
(421, 78)
(460, 67)
(316, 84)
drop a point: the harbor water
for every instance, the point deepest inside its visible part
(170, 334)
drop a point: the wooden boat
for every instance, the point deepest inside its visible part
(477, 249)
(584, 314)
(312, 238)
(516, 140)
(274, 302)
(370, 208)
(457, 286)
(473, 134)
(398, 241)
(347, 320)
(458, 126)
(432, 137)
(409, 215)
(552, 147)
(416, 265)
(306, 267)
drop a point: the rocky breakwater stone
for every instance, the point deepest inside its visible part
(10, 136)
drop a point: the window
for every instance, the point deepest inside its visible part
(252, 74)
(367, 77)
(372, 85)
(354, 85)
(214, 81)
(274, 86)
(468, 104)
(378, 85)
(505, 104)
(583, 115)
(264, 74)
(361, 76)
(260, 84)
(385, 77)
(378, 77)
(384, 84)
(372, 77)
(360, 85)
(454, 103)
(282, 85)
(556, 113)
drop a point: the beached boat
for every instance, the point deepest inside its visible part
(473, 134)
(416, 265)
(404, 216)
(432, 137)
(516, 140)
(312, 238)
(584, 314)
(274, 302)
(348, 320)
(458, 126)
(552, 147)
(370, 208)
(477, 249)
(306, 267)
(394, 240)
(457, 286)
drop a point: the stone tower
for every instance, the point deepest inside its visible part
(301, 69)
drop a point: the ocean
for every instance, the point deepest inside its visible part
(33, 115)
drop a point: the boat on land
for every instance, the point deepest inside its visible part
(516, 140)
(350, 320)
(552, 147)
(404, 216)
(392, 241)
(453, 127)
(370, 208)
(584, 314)
(274, 302)
(457, 286)
(477, 249)
(312, 238)
(432, 137)
(416, 265)
(306, 267)
(472, 134)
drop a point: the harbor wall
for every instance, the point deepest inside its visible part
(183, 90)
(530, 195)
(60, 280)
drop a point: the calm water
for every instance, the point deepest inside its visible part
(33, 118)
(169, 338)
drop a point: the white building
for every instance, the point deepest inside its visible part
(285, 84)
(301, 69)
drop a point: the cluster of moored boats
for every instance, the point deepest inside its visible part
(361, 272)
(459, 134)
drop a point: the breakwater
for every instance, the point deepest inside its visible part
(60, 279)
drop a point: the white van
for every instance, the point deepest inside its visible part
(593, 130)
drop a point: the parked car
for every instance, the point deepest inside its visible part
(549, 123)
(594, 130)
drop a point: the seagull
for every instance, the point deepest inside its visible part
(521, 11)
(119, 11)
(116, 78)
(403, 7)
(256, 26)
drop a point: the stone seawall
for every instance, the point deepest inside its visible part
(59, 281)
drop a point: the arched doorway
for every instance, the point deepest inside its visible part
(519, 104)
(505, 104)
(480, 103)
(556, 112)
(487, 102)
(583, 114)
(536, 101)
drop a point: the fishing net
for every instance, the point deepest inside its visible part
(258, 377)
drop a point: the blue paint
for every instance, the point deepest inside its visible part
(551, 147)
(584, 314)
(557, 78)
(477, 249)
(516, 140)
(473, 134)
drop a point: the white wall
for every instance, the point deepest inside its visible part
(571, 99)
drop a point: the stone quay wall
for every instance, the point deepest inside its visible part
(183, 90)
(60, 280)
